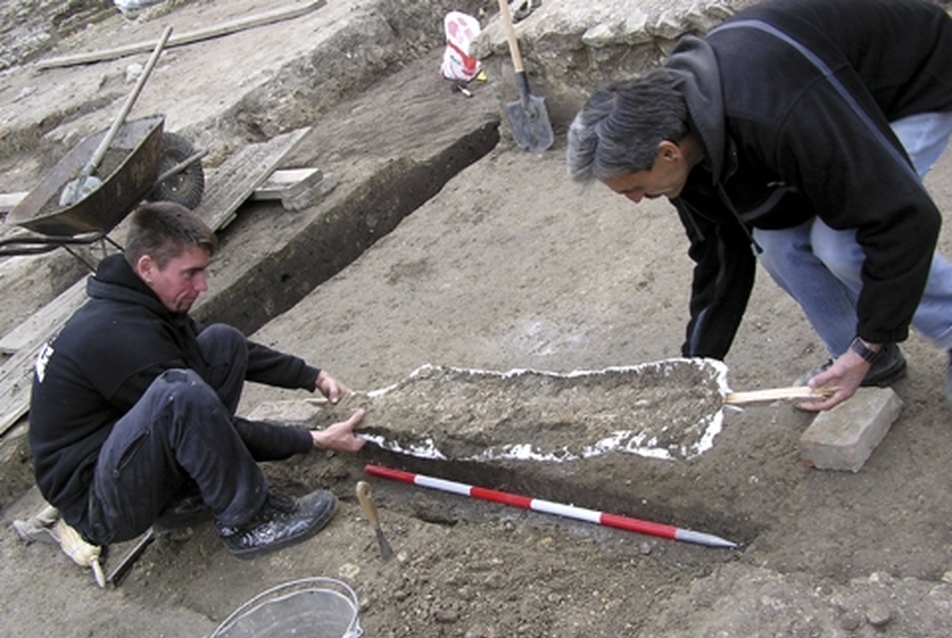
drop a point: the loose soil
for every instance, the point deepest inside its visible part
(507, 266)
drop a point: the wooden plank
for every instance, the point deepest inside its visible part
(9, 200)
(279, 181)
(185, 38)
(16, 378)
(44, 321)
(237, 179)
(275, 186)
(233, 183)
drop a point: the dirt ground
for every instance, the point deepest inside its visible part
(507, 266)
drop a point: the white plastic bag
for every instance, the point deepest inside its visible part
(461, 29)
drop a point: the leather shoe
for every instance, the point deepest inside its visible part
(886, 370)
(282, 521)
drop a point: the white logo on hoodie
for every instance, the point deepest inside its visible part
(42, 360)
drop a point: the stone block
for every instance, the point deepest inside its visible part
(291, 412)
(844, 437)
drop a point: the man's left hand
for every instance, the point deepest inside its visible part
(843, 378)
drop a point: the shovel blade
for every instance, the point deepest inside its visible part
(530, 124)
(77, 190)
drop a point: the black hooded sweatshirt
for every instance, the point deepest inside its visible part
(103, 360)
(791, 101)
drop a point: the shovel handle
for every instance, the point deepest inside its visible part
(93, 163)
(511, 36)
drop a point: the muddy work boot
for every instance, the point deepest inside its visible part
(281, 522)
(888, 368)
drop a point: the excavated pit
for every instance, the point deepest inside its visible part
(271, 259)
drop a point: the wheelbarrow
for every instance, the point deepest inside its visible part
(142, 163)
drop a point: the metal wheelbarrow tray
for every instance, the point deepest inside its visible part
(128, 173)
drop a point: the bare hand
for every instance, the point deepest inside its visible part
(841, 380)
(340, 437)
(331, 387)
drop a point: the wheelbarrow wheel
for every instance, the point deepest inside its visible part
(188, 185)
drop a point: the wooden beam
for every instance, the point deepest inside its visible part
(9, 200)
(278, 183)
(185, 38)
(45, 320)
(272, 188)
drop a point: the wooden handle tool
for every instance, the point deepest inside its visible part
(366, 498)
(795, 393)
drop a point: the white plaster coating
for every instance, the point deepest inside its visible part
(627, 441)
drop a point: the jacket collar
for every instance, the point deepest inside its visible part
(694, 65)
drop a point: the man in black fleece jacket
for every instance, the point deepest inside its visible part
(133, 403)
(797, 131)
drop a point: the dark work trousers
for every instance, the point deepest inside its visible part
(180, 433)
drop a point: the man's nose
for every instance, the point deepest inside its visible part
(635, 197)
(200, 281)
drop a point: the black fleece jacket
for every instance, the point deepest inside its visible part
(101, 363)
(792, 100)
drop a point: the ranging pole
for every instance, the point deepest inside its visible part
(548, 507)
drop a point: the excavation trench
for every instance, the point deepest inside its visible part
(273, 261)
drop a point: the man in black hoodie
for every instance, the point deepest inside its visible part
(133, 403)
(797, 131)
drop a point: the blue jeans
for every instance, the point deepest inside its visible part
(181, 433)
(820, 267)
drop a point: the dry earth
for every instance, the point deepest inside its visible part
(502, 265)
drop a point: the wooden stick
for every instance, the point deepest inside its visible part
(777, 394)
(185, 38)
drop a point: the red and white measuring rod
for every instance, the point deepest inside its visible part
(548, 507)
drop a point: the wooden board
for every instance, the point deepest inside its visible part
(236, 180)
(45, 320)
(272, 189)
(278, 15)
(233, 183)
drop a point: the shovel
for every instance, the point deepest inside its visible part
(527, 116)
(77, 189)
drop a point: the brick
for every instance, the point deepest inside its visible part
(844, 437)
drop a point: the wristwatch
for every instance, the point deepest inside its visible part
(857, 346)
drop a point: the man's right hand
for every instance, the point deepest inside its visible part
(340, 437)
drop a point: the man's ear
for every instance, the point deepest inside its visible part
(668, 151)
(145, 268)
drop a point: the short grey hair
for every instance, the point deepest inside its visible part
(619, 129)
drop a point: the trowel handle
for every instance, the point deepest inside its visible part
(511, 36)
(366, 498)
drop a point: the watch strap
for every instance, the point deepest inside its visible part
(857, 346)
